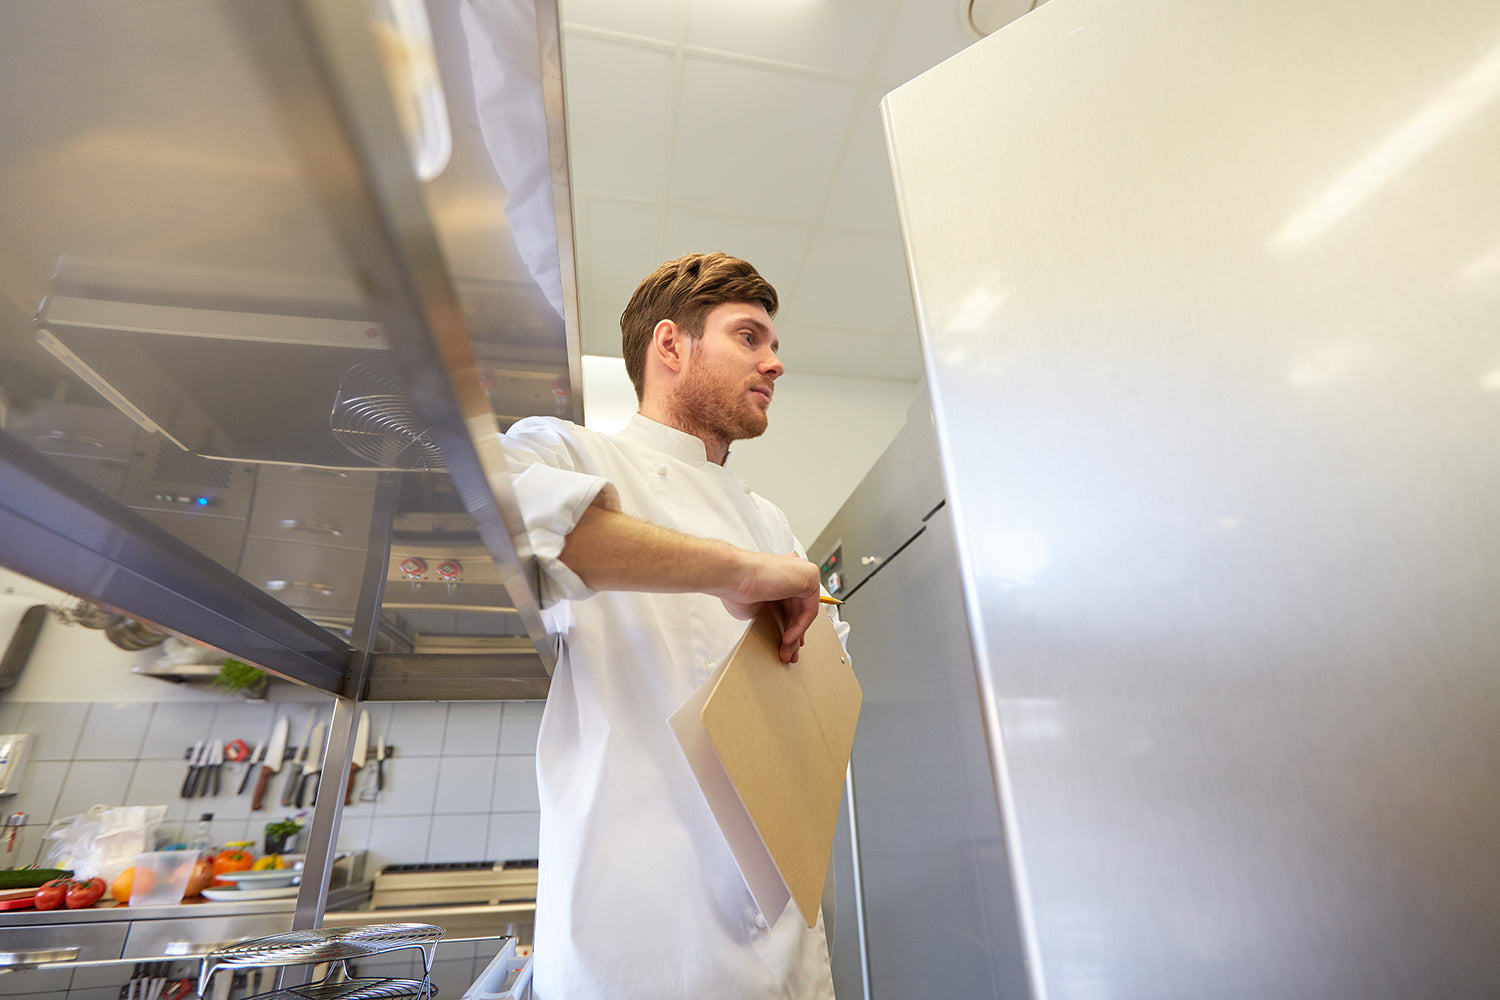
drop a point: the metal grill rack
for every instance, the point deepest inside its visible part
(335, 946)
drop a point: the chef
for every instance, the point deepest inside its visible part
(653, 555)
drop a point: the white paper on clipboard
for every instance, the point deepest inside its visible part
(756, 866)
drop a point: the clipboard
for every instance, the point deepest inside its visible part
(769, 743)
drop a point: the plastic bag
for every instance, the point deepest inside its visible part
(104, 841)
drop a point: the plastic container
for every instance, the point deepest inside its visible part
(505, 978)
(161, 877)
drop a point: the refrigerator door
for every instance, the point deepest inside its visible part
(1207, 296)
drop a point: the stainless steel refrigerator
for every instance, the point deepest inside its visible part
(1209, 297)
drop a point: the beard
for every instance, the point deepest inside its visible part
(709, 402)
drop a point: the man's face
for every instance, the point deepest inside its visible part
(728, 381)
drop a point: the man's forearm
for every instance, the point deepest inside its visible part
(614, 551)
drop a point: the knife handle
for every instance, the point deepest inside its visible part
(190, 783)
(258, 799)
(293, 783)
(349, 785)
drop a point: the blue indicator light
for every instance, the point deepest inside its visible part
(203, 501)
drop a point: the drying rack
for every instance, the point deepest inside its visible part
(335, 946)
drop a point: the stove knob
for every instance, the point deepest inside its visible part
(449, 569)
(413, 567)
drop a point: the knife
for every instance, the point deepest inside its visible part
(294, 776)
(380, 767)
(314, 769)
(271, 763)
(215, 766)
(361, 750)
(256, 756)
(196, 757)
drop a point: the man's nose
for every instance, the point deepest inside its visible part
(771, 365)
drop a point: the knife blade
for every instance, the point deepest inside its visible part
(361, 750)
(314, 768)
(195, 761)
(256, 756)
(271, 763)
(215, 767)
(294, 775)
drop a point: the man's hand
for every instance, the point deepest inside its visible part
(786, 580)
(613, 551)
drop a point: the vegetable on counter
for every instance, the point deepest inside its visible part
(232, 859)
(84, 893)
(76, 894)
(51, 895)
(30, 878)
(202, 877)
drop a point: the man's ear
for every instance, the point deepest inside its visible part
(669, 344)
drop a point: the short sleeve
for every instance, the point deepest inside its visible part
(552, 491)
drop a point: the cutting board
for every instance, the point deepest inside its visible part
(769, 743)
(17, 899)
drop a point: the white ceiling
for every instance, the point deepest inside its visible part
(753, 127)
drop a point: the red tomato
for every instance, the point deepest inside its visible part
(81, 894)
(50, 896)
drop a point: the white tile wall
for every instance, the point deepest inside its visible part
(515, 784)
(460, 784)
(472, 728)
(519, 724)
(113, 732)
(458, 838)
(465, 785)
(55, 728)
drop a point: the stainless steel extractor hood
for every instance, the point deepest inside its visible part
(213, 213)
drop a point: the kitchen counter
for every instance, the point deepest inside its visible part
(109, 932)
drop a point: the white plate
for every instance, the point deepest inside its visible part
(234, 894)
(266, 878)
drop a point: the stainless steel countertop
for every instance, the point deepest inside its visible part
(109, 911)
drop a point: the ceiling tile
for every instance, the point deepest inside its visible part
(619, 122)
(837, 35)
(818, 350)
(757, 142)
(624, 245)
(924, 34)
(662, 19)
(854, 280)
(903, 358)
(862, 195)
(776, 249)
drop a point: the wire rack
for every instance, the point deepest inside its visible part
(335, 946)
(374, 418)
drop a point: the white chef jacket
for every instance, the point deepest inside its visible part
(638, 895)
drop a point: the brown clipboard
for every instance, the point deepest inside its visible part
(769, 743)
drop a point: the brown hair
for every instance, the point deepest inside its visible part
(684, 291)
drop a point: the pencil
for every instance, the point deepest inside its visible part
(825, 599)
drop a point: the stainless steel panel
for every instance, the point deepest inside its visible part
(219, 538)
(192, 937)
(94, 943)
(206, 223)
(314, 477)
(58, 428)
(1207, 300)
(106, 477)
(875, 520)
(55, 531)
(320, 514)
(935, 878)
(311, 578)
